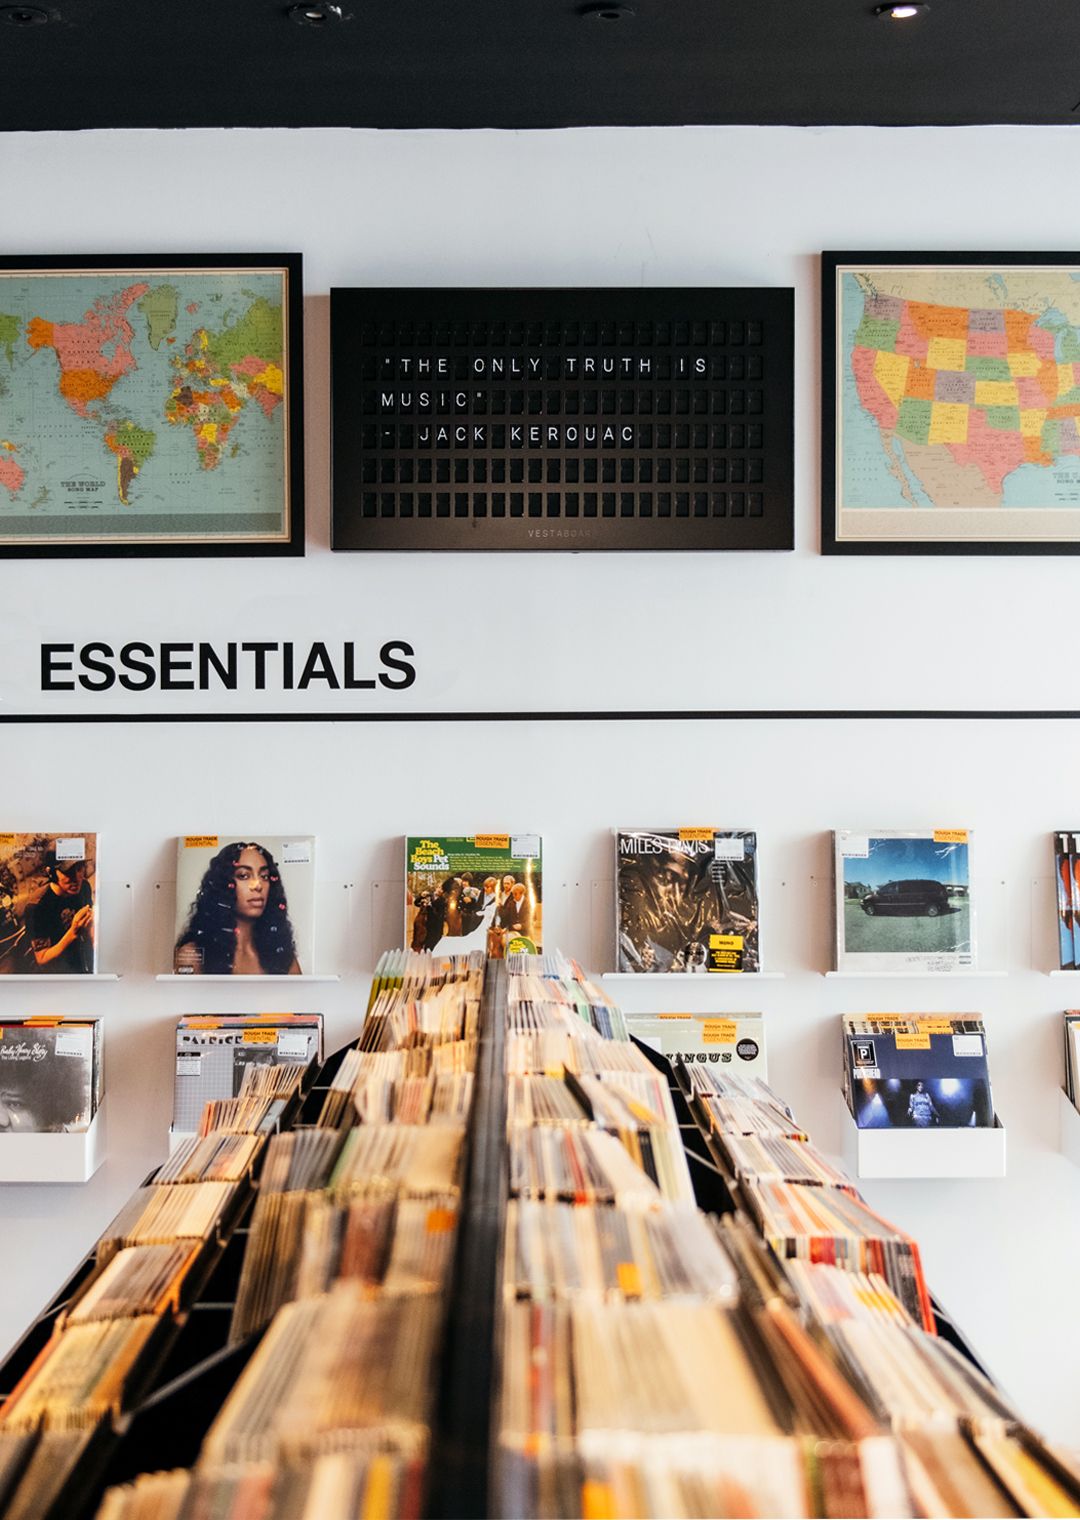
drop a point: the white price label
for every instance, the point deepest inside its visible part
(72, 1042)
(70, 849)
(296, 853)
(855, 846)
(292, 1042)
(727, 848)
(967, 1045)
(525, 846)
(188, 1065)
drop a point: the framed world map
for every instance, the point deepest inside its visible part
(950, 403)
(151, 405)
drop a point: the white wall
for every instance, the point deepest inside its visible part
(724, 206)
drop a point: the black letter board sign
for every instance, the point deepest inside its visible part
(562, 419)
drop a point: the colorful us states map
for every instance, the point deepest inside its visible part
(959, 393)
(142, 405)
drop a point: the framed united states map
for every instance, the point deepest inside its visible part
(951, 403)
(151, 405)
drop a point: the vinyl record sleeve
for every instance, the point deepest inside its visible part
(245, 903)
(49, 1075)
(734, 1041)
(917, 1071)
(1065, 867)
(904, 901)
(686, 900)
(48, 904)
(474, 892)
(213, 1053)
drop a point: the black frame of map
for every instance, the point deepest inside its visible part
(289, 539)
(831, 507)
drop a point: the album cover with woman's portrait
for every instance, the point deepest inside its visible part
(245, 905)
(48, 904)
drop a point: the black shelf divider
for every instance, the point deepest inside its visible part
(462, 1447)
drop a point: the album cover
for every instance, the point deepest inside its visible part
(735, 1040)
(481, 892)
(50, 1075)
(1072, 1054)
(686, 899)
(917, 1071)
(903, 900)
(48, 904)
(245, 905)
(214, 1051)
(1065, 866)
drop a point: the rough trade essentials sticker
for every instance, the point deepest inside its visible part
(950, 836)
(491, 841)
(200, 841)
(260, 1037)
(70, 849)
(913, 1042)
(719, 1031)
(696, 836)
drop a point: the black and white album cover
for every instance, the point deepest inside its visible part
(50, 1075)
(686, 900)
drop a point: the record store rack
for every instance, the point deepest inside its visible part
(193, 1367)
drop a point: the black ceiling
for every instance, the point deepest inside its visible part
(535, 63)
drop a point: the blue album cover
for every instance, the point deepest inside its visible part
(903, 1075)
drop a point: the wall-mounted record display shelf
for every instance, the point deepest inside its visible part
(923, 1154)
(1069, 1118)
(191, 980)
(562, 419)
(75, 1157)
(60, 976)
(643, 978)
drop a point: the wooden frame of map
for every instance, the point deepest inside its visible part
(950, 403)
(151, 405)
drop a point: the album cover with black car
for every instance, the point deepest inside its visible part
(917, 1071)
(50, 1075)
(686, 900)
(48, 904)
(904, 900)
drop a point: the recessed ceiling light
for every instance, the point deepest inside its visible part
(906, 12)
(606, 12)
(24, 15)
(321, 13)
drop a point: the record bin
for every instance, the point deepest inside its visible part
(921, 1154)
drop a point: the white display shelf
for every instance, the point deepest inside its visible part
(61, 976)
(194, 980)
(1063, 973)
(54, 1158)
(179, 1137)
(921, 1154)
(1070, 1127)
(643, 978)
(914, 976)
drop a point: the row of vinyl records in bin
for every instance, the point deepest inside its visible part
(624, 1294)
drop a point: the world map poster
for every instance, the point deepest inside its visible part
(146, 406)
(957, 402)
